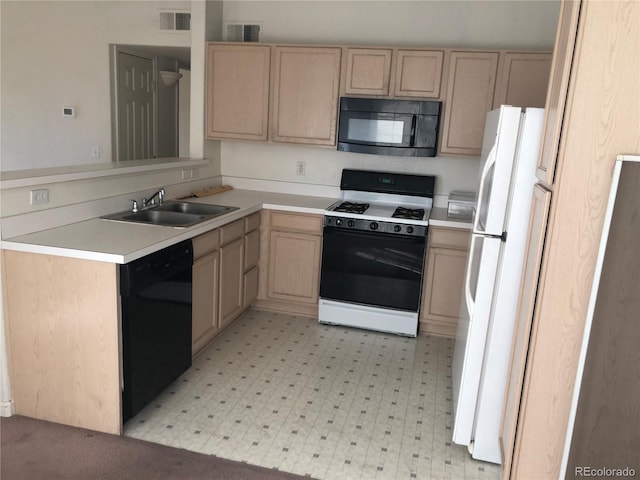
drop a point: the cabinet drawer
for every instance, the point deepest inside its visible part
(205, 243)
(251, 222)
(450, 237)
(251, 249)
(296, 222)
(230, 232)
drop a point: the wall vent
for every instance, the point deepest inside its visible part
(175, 21)
(241, 31)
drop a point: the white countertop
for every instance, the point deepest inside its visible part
(439, 218)
(120, 242)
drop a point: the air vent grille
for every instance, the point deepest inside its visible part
(242, 32)
(172, 21)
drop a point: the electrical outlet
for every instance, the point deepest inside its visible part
(38, 197)
(186, 174)
(300, 168)
(195, 173)
(95, 152)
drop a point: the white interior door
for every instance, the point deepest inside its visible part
(136, 108)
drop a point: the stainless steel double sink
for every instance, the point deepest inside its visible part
(172, 213)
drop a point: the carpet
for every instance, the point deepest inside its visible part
(34, 449)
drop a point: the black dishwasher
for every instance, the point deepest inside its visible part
(156, 296)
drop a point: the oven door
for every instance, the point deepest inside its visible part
(369, 268)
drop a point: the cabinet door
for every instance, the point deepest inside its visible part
(305, 96)
(418, 73)
(294, 266)
(471, 85)
(251, 249)
(524, 80)
(368, 71)
(231, 281)
(558, 87)
(445, 266)
(446, 276)
(237, 91)
(205, 300)
(524, 316)
(250, 288)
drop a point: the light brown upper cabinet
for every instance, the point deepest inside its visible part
(524, 80)
(471, 85)
(305, 94)
(368, 71)
(237, 91)
(418, 73)
(393, 72)
(481, 81)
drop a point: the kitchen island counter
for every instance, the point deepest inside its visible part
(120, 242)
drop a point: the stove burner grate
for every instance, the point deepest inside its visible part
(409, 213)
(352, 207)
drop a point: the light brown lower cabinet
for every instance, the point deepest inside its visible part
(205, 300)
(231, 281)
(225, 277)
(293, 266)
(205, 275)
(447, 251)
(251, 260)
(290, 262)
(250, 287)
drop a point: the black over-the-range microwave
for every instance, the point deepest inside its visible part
(389, 127)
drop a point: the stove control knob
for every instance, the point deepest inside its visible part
(397, 228)
(350, 223)
(338, 221)
(373, 225)
(409, 229)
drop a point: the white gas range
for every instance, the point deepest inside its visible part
(374, 245)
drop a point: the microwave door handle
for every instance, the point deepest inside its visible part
(414, 120)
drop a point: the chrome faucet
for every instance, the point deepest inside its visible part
(146, 202)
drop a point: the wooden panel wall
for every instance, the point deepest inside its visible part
(63, 335)
(603, 120)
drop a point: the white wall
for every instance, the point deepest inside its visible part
(471, 24)
(276, 162)
(449, 23)
(56, 53)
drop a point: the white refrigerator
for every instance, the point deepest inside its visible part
(492, 279)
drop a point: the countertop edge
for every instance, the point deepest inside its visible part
(181, 235)
(438, 219)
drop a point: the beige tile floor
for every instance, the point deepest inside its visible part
(328, 402)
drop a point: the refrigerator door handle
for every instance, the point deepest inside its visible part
(467, 280)
(491, 160)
